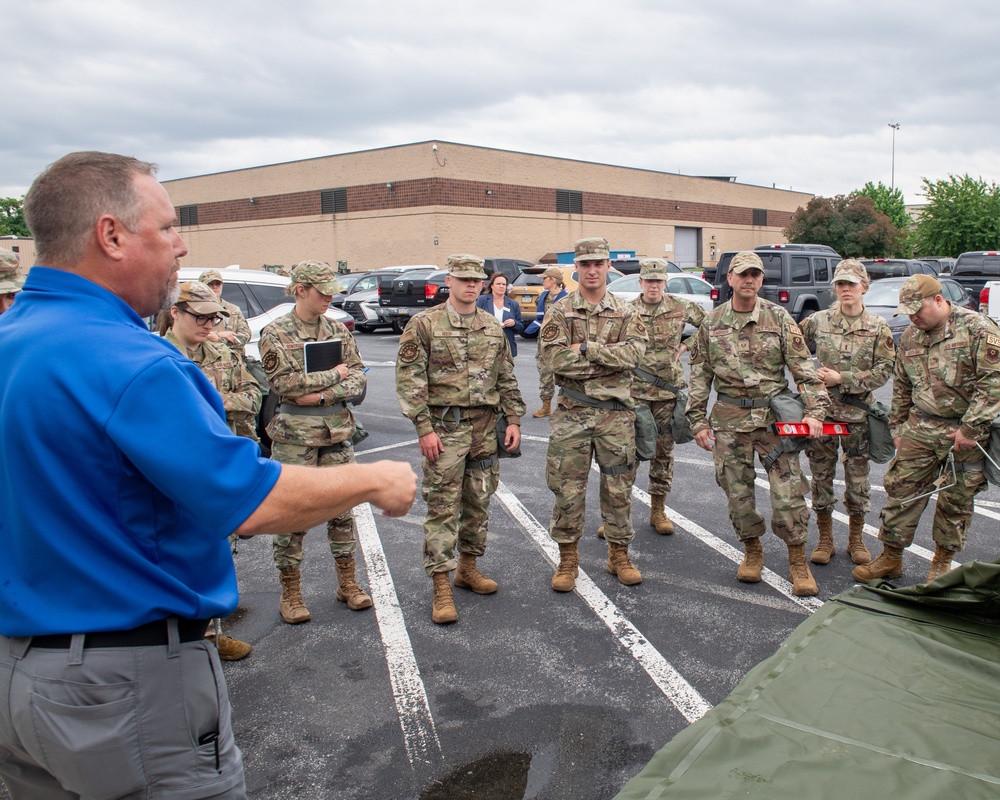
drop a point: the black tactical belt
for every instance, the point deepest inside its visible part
(579, 397)
(311, 411)
(455, 414)
(848, 399)
(152, 634)
(743, 402)
(484, 463)
(659, 383)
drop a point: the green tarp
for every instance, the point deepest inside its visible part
(882, 693)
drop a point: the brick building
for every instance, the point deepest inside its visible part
(418, 203)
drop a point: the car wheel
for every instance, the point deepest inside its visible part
(806, 312)
(364, 328)
(398, 325)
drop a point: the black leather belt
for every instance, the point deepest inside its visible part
(743, 402)
(152, 634)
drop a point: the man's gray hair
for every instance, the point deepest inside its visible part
(66, 200)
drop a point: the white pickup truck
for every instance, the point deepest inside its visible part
(989, 300)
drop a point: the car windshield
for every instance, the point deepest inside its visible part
(528, 279)
(881, 293)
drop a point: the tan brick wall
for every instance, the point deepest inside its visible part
(444, 195)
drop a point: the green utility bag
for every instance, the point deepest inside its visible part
(645, 432)
(679, 425)
(881, 448)
(503, 452)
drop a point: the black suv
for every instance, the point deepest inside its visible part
(879, 268)
(511, 267)
(630, 266)
(796, 276)
(973, 270)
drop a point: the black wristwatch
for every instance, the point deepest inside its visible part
(322, 400)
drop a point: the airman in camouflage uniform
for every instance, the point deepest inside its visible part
(592, 340)
(10, 283)
(235, 333)
(553, 289)
(454, 375)
(945, 396)
(313, 425)
(744, 346)
(660, 375)
(856, 354)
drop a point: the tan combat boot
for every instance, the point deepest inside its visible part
(546, 408)
(889, 564)
(290, 606)
(856, 540)
(941, 563)
(657, 516)
(469, 577)
(803, 583)
(753, 562)
(824, 548)
(348, 590)
(564, 579)
(443, 611)
(600, 532)
(231, 649)
(620, 565)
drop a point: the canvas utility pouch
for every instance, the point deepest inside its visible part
(645, 432)
(786, 407)
(881, 448)
(680, 426)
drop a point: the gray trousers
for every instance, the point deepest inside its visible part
(123, 722)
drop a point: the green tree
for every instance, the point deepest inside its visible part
(12, 217)
(888, 201)
(962, 214)
(850, 225)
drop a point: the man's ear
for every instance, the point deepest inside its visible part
(110, 233)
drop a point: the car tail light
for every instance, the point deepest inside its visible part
(379, 290)
(430, 291)
(783, 296)
(984, 297)
(715, 295)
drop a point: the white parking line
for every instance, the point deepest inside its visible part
(677, 690)
(419, 735)
(396, 446)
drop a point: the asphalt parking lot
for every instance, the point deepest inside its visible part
(532, 694)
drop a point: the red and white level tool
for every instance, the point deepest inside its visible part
(802, 429)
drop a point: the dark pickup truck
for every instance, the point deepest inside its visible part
(402, 296)
(973, 270)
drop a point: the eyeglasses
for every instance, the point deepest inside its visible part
(201, 319)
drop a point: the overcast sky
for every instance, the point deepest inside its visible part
(795, 94)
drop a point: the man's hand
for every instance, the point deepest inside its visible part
(830, 377)
(513, 437)
(342, 371)
(311, 399)
(229, 336)
(399, 488)
(704, 439)
(815, 427)
(962, 442)
(431, 447)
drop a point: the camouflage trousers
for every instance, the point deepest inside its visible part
(734, 472)
(661, 468)
(546, 379)
(822, 455)
(458, 492)
(580, 433)
(913, 472)
(287, 547)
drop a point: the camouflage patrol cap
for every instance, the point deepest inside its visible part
(315, 273)
(10, 283)
(463, 265)
(199, 299)
(914, 291)
(852, 271)
(9, 260)
(653, 269)
(210, 276)
(595, 248)
(746, 260)
(556, 274)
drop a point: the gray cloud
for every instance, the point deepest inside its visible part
(789, 93)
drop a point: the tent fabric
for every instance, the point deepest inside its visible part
(883, 692)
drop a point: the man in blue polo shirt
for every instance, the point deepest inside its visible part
(119, 484)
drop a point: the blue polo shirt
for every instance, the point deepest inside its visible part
(119, 479)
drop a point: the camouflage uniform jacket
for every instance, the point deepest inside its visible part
(616, 339)
(664, 323)
(240, 392)
(861, 350)
(747, 358)
(447, 359)
(953, 372)
(236, 323)
(282, 353)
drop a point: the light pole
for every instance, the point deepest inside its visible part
(892, 180)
